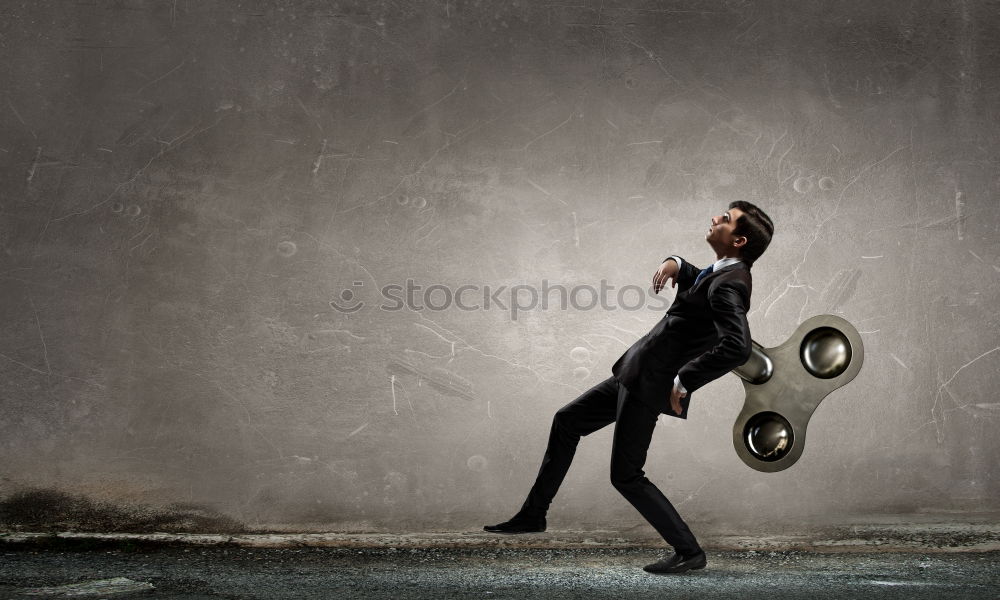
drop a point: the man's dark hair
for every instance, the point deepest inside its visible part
(756, 227)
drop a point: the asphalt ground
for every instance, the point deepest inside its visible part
(193, 572)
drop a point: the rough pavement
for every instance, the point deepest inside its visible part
(521, 573)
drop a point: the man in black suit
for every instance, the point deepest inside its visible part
(703, 335)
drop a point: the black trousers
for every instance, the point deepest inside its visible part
(605, 403)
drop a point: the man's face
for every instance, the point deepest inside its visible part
(720, 233)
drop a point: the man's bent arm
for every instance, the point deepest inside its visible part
(729, 303)
(686, 272)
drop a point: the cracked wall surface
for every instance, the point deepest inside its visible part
(201, 204)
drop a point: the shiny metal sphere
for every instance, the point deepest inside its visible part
(825, 352)
(768, 436)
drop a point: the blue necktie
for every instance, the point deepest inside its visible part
(704, 272)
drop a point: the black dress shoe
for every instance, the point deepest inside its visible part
(518, 525)
(677, 563)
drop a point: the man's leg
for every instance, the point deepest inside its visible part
(633, 432)
(591, 411)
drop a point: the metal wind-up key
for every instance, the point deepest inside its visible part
(785, 384)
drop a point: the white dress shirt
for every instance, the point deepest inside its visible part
(722, 262)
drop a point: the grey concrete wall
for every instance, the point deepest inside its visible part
(189, 188)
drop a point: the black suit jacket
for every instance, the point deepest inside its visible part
(703, 336)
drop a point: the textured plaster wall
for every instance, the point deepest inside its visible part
(189, 188)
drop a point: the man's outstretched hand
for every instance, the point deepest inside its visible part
(668, 270)
(675, 400)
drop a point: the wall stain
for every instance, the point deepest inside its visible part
(40, 509)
